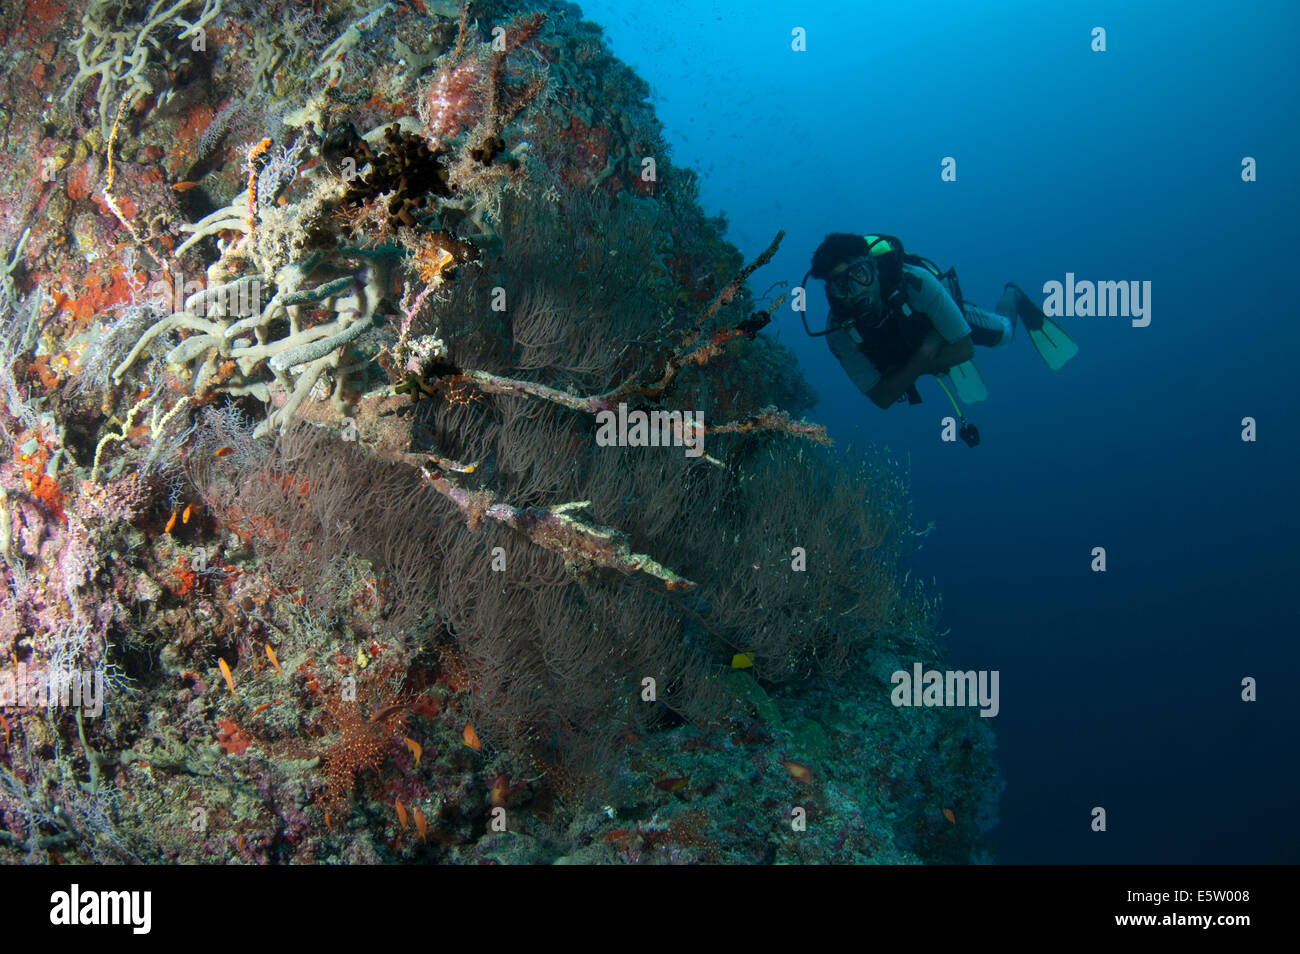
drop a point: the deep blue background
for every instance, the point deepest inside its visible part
(1118, 689)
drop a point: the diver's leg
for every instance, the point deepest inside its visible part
(988, 329)
(1008, 304)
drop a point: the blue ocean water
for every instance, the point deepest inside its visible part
(1119, 689)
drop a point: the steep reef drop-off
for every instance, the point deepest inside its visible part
(308, 323)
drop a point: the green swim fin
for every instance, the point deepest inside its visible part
(968, 381)
(1051, 342)
(1054, 346)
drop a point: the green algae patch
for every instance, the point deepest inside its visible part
(808, 740)
(743, 686)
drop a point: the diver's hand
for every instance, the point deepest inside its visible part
(932, 356)
(930, 348)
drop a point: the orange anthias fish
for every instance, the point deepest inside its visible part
(401, 813)
(270, 654)
(674, 784)
(385, 711)
(500, 790)
(471, 738)
(421, 826)
(225, 671)
(414, 747)
(798, 771)
(948, 814)
(171, 522)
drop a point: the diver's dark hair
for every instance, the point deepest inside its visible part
(836, 248)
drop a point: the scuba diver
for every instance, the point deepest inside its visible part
(894, 317)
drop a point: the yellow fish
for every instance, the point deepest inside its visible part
(225, 671)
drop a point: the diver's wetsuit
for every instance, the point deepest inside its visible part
(933, 301)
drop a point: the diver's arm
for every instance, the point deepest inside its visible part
(951, 355)
(934, 356)
(891, 387)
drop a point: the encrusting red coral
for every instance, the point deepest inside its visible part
(40, 484)
(232, 739)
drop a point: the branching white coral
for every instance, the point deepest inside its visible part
(121, 57)
(297, 344)
(332, 59)
(229, 349)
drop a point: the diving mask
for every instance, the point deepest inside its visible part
(856, 286)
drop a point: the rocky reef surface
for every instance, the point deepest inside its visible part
(395, 469)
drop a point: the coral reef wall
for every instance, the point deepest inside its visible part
(396, 468)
